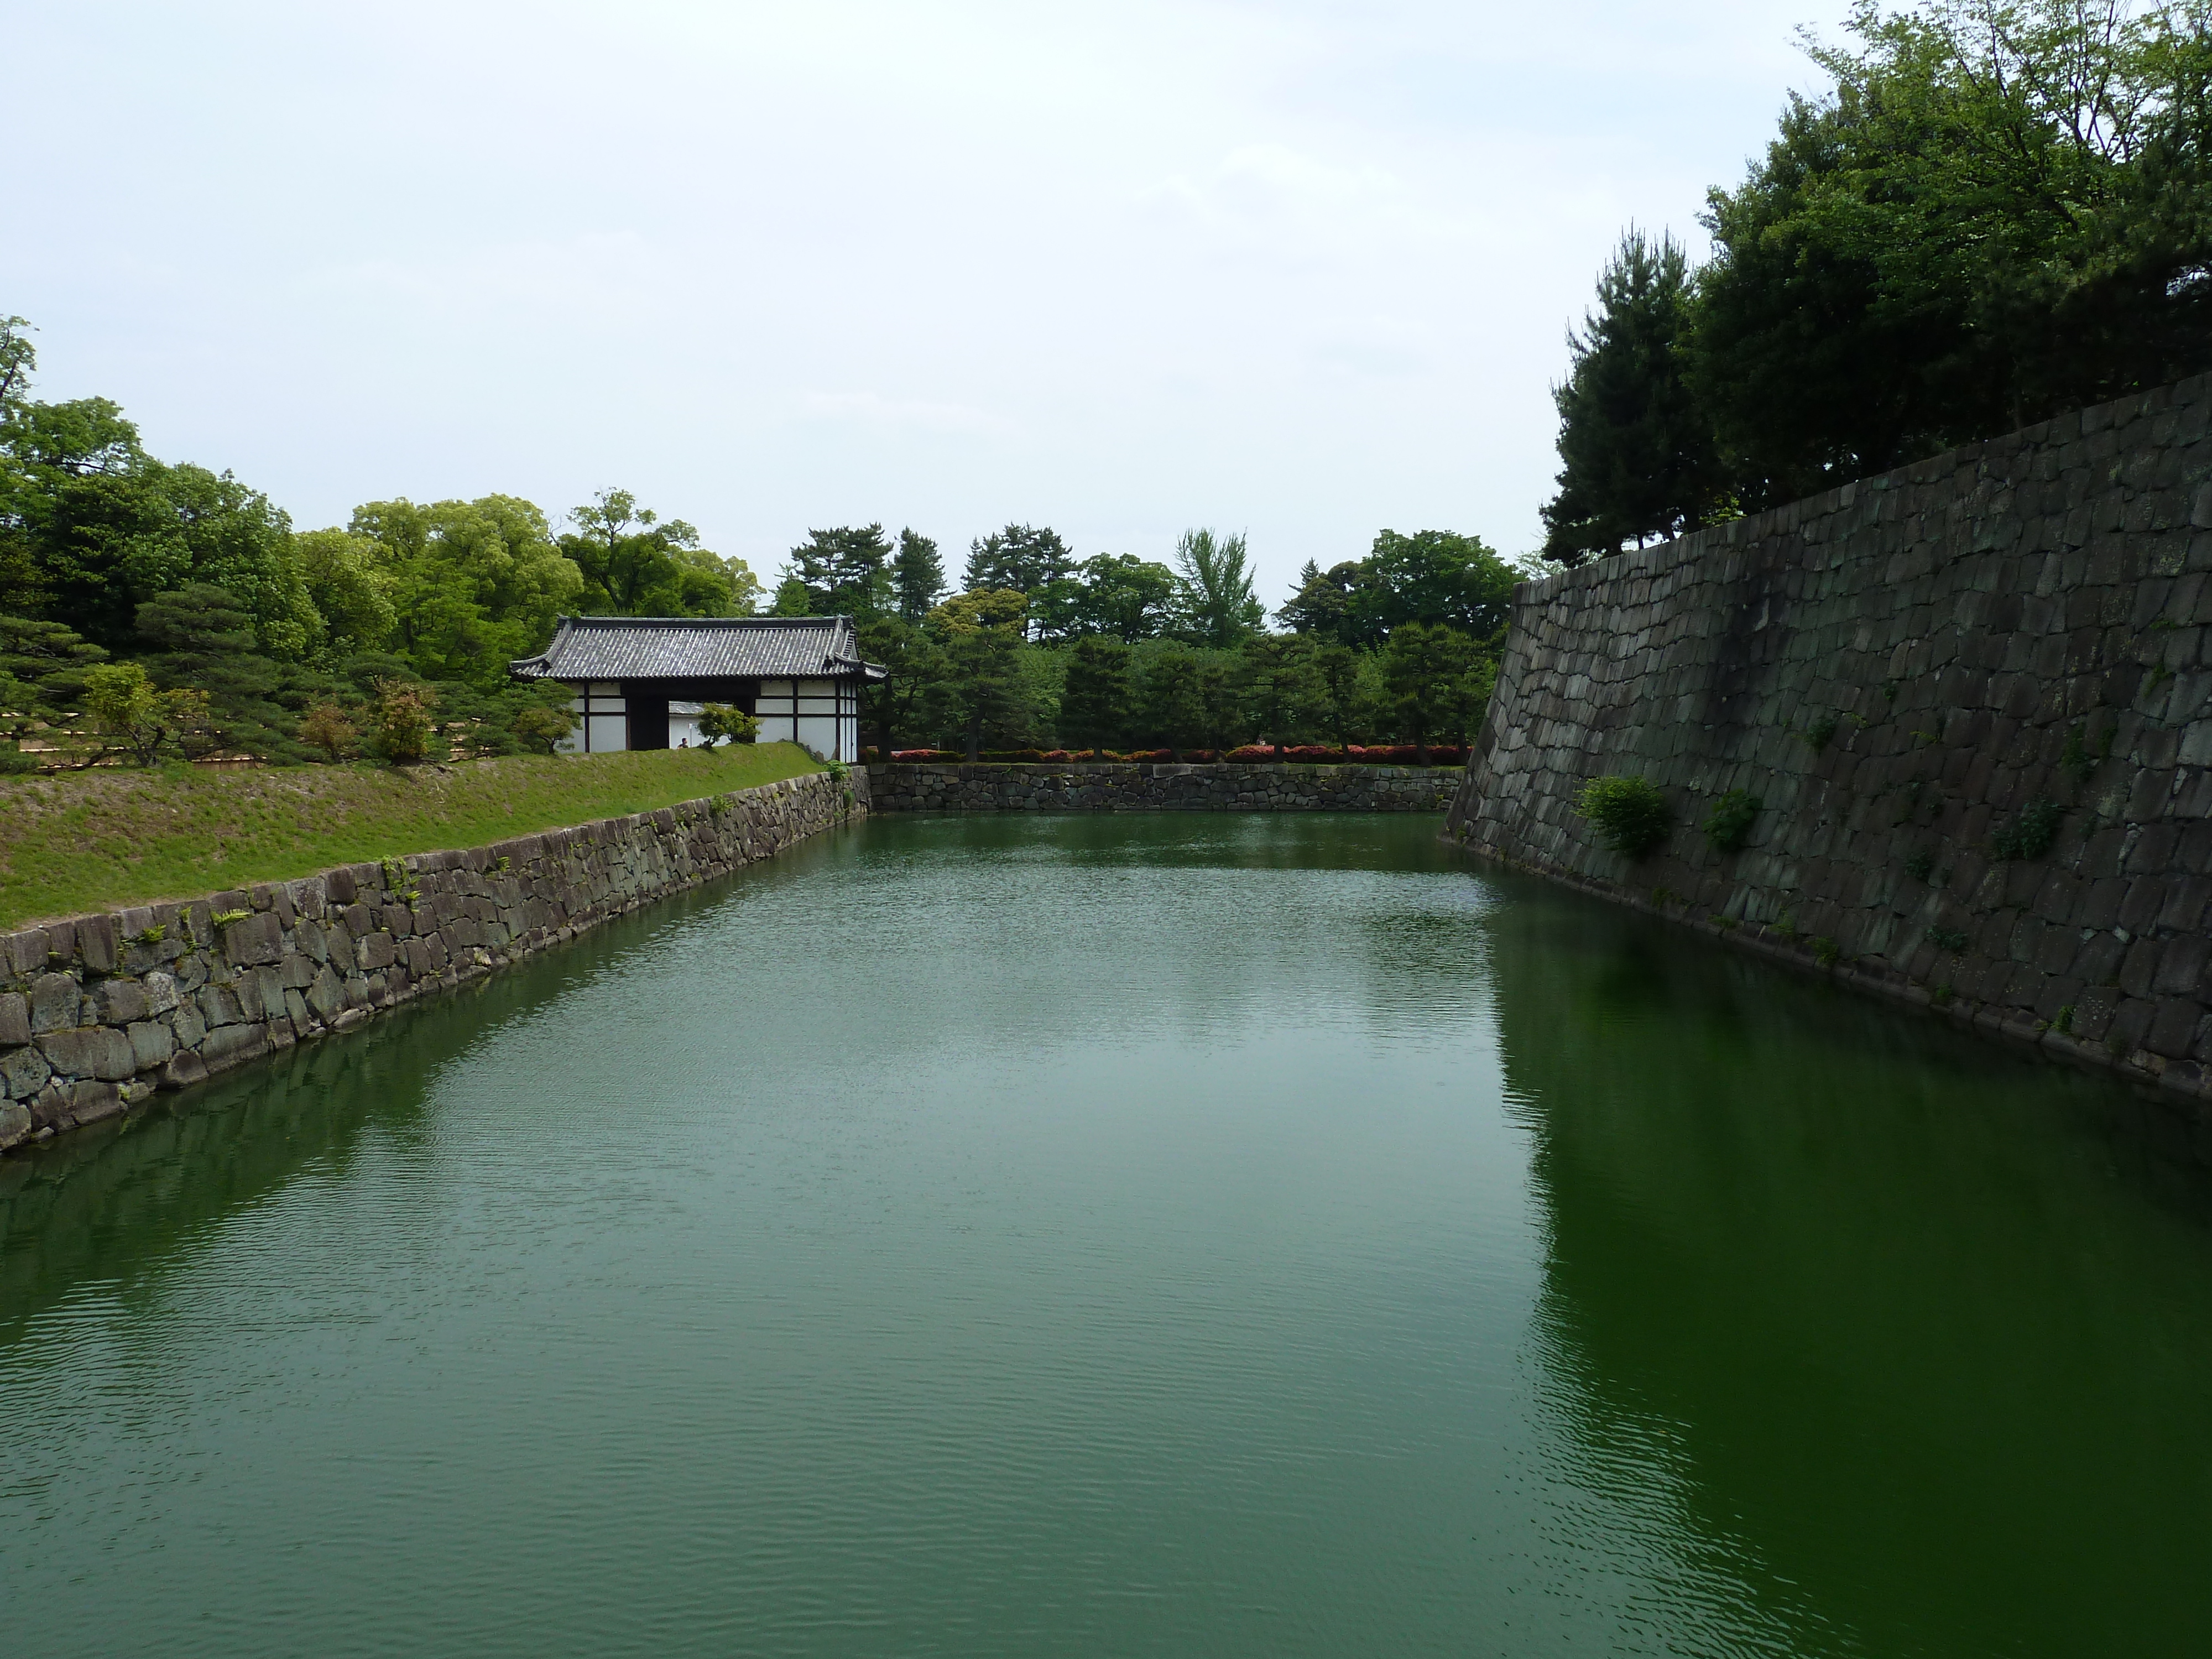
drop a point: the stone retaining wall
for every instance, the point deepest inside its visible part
(1974, 697)
(1108, 787)
(98, 1011)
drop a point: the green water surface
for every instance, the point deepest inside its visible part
(1148, 1235)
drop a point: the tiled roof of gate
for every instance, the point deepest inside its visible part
(697, 648)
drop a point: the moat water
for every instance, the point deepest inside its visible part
(1140, 1235)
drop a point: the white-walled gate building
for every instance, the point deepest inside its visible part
(639, 682)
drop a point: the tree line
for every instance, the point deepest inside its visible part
(161, 608)
(1040, 648)
(1999, 211)
(154, 608)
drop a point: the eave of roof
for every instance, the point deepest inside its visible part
(694, 648)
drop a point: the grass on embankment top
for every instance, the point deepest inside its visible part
(96, 840)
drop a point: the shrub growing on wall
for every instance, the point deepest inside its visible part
(1729, 822)
(1630, 815)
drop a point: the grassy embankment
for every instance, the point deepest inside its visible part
(91, 841)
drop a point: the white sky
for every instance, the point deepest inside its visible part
(1301, 270)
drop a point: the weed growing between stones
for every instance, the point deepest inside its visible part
(2030, 834)
(224, 918)
(1912, 801)
(152, 935)
(1950, 938)
(1940, 996)
(2077, 760)
(1826, 951)
(1820, 734)
(1921, 865)
(1729, 822)
(1726, 924)
(2063, 1023)
(1630, 815)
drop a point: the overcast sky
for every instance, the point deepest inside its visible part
(1298, 269)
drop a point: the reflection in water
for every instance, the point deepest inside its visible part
(1896, 1338)
(1152, 1236)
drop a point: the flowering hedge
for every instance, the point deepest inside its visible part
(1308, 754)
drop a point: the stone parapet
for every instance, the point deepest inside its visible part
(98, 1011)
(1973, 698)
(1108, 787)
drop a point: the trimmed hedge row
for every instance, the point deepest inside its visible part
(1306, 754)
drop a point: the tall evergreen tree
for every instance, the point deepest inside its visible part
(1636, 447)
(1217, 603)
(1018, 559)
(917, 576)
(846, 571)
(1095, 705)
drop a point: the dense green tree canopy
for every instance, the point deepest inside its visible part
(1018, 559)
(1436, 576)
(473, 585)
(2000, 210)
(635, 563)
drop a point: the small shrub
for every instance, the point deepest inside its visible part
(124, 705)
(1921, 865)
(1729, 822)
(1949, 938)
(399, 723)
(1825, 951)
(539, 727)
(1940, 996)
(2029, 834)
(1631, 814)
(2064, 1023)
(719, 721)
(328, 727)
(1820, 734)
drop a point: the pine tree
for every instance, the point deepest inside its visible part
(917, 576)
(1095, 705)
(1637, 450)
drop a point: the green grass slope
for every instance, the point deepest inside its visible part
(92, 841)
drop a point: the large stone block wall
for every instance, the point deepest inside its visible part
(99, 1011)
(1108, 787)
(1910, 673)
